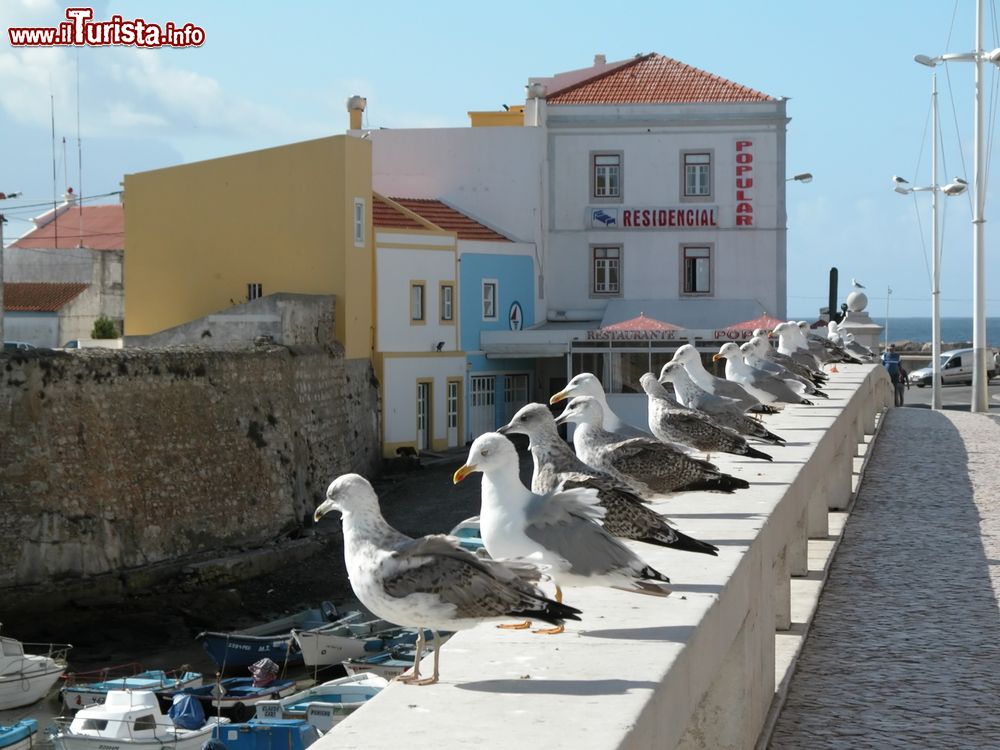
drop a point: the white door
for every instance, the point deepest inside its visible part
(452, 413)
(515, 393)
(423, 415)
(482, 397)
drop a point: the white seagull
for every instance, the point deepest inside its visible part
(689, 357)
(430, 582)
(857, 284)
(588, 384)
(763, 385)
(560, 530)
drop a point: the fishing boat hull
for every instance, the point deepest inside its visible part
(326, 705)
(276, 734)
(321, 647)
(236, 697)
(20, 736)
(26, 678)
(80, 696)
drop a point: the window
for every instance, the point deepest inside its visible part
(489, 299)
(359, 222)
(144, 723)
(515, 394)
(606, 176)
(606, 270)
(417, 301)
(697, 270)
(697, 175)
(447, 306)
(254, 291)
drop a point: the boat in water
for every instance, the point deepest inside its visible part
(26, 677)
(267, 734)
(19, 736)
(396, 659)
(82, 689)
(132, 720)
(321, 647)
(236, 697)
(327, 704)
(467, 533)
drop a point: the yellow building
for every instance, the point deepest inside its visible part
(297, 218)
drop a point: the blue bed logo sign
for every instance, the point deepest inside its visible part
(515, 318)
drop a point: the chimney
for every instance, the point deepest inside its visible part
(600, 61)
(356, 107)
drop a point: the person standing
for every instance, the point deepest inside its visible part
(891, 362)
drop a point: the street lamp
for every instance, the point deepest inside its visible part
(953, 188)
(803, 177)
(3, 220)
(979, 378)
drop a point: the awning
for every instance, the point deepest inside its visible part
(690, 313)
(641, 323)
(767, 322)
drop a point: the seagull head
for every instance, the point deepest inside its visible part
(346, 493)
(781, 328)
(728, 351)
(758, 342)
(651, 385)
(584, 384)
(489, 452)
(760, 332)
(748, 348)
(803, 326)
(670, 372)
(687, 353)
(530, 420)
(582, 410)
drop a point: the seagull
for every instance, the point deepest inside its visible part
(587, 384)
(857, 284)
(723, 410)
(791, 344)
(688, 356)
(823, 348)
(753, 358)
(765, 386)
(556, 467)
(799, 368)
(430, 582)
(560, 529)
(645, 464)
(671, 422)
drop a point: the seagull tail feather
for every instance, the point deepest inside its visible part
(722, 483)
(752, 452)
(680, 541)
(765, 409)
(648, 588)
(806, 401)
(547, 610)
(818, 392)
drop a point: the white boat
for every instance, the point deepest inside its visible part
(325, 705)
(84, 689)
(27, 677)
(132, 720)
(328, 645)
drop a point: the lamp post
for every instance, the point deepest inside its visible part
(977, 56)
(955, 187)
(3, 220)
(801, 177)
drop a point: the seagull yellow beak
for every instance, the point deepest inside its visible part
(561, 396)
(716, 357)
(462, 472)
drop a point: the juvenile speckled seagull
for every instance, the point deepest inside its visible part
(556, 468)
(430, 582)
(673, 423)
(650, 466)
(588, 384)
(763, 385)
(725, 411)
(559, 530)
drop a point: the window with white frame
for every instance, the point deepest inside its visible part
(417, 289)
(606, 270)
(606, 176)
(696, 271)
(489, 299)
(697, 174)
(359, 222)
(447, 302)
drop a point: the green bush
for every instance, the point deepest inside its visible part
(104, 328)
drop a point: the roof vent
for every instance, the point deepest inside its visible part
(600, 60)
(356, 107)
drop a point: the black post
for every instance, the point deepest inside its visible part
(832, 300)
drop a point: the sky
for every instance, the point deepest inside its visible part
(275, 73)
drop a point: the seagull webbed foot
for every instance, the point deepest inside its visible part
(515, 625)
(550, 631)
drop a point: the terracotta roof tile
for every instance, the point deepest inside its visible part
(103, 228)
(655, 79)
(450, 219)
(41, 297)
(388, 216)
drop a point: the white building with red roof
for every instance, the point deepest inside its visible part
(72, 247)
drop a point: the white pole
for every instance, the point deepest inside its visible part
(979, 379)
(888, 291)
(935, 258)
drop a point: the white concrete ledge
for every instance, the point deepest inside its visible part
(696, 670)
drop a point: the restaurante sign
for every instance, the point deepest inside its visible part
(681, 335)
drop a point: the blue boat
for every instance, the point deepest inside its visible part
(267, 734)
(272, 640)
(19, 736)
(83, 689)
(327, 704)
(467, 533)
(236, 697)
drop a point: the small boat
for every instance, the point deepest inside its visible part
(19, 736)
(468, 534)
(269, 734)
(82, 689)
(271, 640)
(27, 677)
(132, 720)
(396, 658)
(327, 704)
(324, 646)
(235, 696)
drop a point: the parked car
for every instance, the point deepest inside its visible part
(13, 346)
(956, 367)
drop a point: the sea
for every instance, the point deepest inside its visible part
(953, 330)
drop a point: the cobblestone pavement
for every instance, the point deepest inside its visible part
(904, 651)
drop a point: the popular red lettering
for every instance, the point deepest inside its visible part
(744, 183)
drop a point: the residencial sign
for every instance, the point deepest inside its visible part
(653, 217)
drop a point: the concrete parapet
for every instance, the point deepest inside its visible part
(695, 670)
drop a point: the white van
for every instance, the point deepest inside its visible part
(956, 367)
